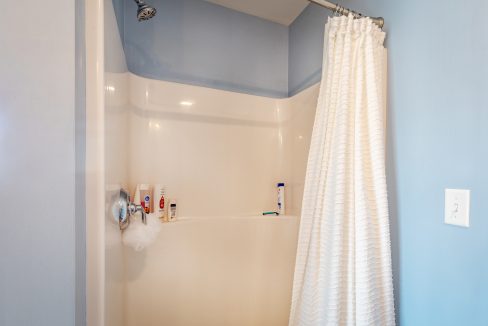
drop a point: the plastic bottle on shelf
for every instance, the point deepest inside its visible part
(172, 210)
(160, 201)
(281, 198)
(145, 193)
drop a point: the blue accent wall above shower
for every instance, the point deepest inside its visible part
(306, 41)
(200, 43)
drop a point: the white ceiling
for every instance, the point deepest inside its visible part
(279, 11)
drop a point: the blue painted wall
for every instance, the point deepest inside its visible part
(197, 42)
(41, 259)
(438, 138)
(306, 40)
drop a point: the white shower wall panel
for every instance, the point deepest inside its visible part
(299, 126)
(116, 177)
(228, 271)
(116, 129)
(219, 153)
(222, 263)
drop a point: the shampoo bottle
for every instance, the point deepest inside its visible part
(160, 201)
(281, 198)
(145, 194)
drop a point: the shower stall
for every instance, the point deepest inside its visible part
(221, 262)
(220, 153)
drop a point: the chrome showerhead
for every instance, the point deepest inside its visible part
(145, 11)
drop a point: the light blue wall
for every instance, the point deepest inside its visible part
(197, 42)
(305, 49)
(37, 164)
(114, 56)
(438, 138)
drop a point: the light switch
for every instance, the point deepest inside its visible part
(457, 207)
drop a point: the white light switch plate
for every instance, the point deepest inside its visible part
(457, 207)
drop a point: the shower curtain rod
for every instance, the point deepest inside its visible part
(344, 11)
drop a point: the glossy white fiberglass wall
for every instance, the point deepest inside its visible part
(219, 153)
(214, 272)
(116, 129)
(220, 157)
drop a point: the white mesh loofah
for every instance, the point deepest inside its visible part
(139, 235)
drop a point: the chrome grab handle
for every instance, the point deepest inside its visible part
(124, 208)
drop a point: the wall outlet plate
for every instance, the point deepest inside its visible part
(456, 211)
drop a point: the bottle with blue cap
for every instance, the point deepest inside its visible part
(281, 198)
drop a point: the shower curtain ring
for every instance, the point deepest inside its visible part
(336, 10)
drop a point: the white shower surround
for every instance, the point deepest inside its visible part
(214, 271)
(221, 263)
(221, 158)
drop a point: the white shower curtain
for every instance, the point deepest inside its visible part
(343, 270)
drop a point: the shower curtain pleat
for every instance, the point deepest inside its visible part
(343, 273)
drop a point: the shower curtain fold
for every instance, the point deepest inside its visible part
(343, 273)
